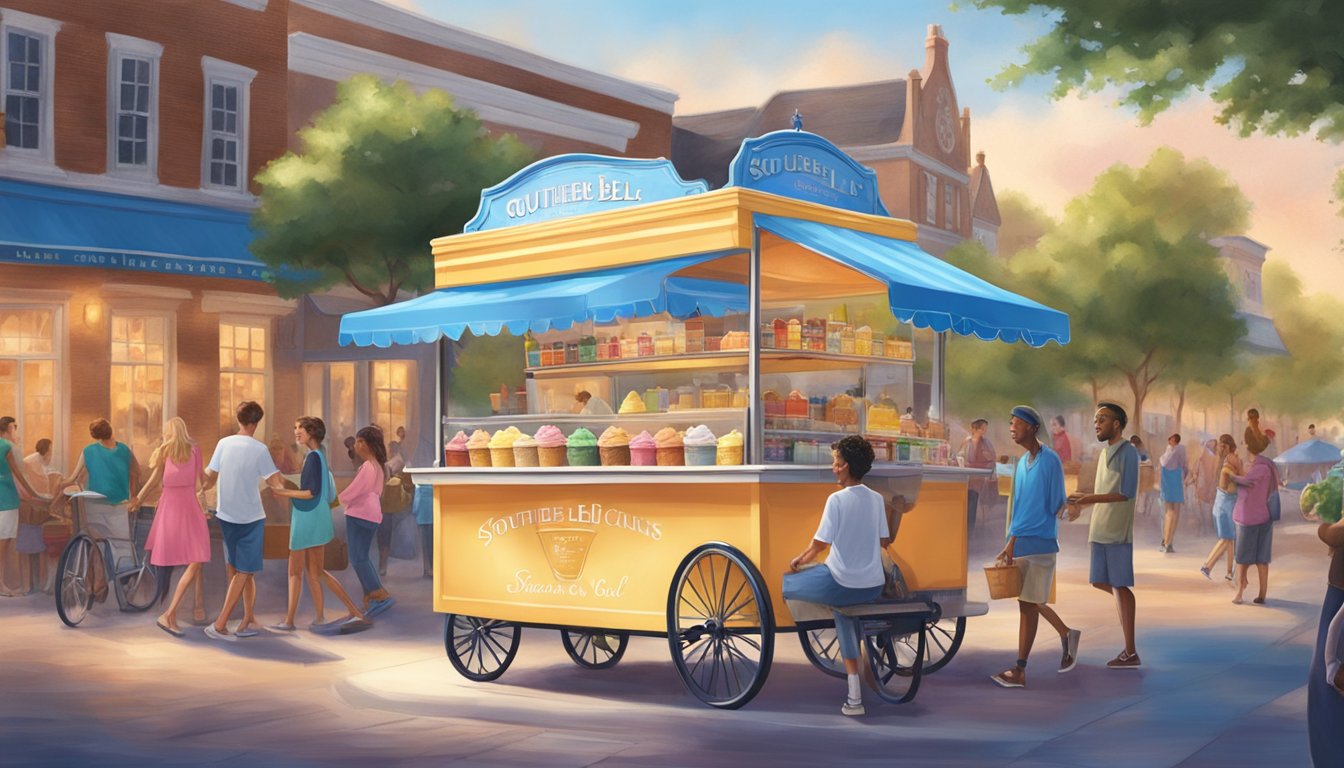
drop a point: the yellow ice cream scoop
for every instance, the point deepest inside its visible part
(505, 438)
(633, 403)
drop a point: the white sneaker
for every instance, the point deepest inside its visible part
(852, 708)
(215, 634)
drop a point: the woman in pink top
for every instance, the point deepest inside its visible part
(179, 535)
(362, 500)
(1255, 531)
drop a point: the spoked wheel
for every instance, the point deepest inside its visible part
(891, 682)
(944, 636)
(480, 649)
(720, 626)
(594, 650)
(74, 592)
(141, 587)
(822, 648)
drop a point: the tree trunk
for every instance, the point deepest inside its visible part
(1096, 396)
(1180, 404)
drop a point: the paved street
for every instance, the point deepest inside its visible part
(1222, 685)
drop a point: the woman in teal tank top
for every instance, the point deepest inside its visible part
(108, 466)
(11, 477)
(310, 529)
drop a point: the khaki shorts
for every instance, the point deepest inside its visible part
(1038, 574)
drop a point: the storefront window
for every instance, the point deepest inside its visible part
(28, 368)
(391, 406)
(243, 366)
(329, 393)
(137, 388)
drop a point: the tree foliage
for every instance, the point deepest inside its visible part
(1274, 66)
(383, 170)
(1310, 382)
(1024, 223)
(1130, 263)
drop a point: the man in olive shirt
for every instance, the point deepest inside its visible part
(1111, 532)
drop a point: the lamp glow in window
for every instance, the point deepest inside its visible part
(138, 381)
(243, 367)
(28, 369)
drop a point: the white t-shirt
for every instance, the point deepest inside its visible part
(242, 463)
(853, 522)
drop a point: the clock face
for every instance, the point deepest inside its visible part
(944, 123)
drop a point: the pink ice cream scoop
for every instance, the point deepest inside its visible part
(550, 436)
(643, 450)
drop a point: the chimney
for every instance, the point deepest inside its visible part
(980, 157)
(913, 88)
(935, 47)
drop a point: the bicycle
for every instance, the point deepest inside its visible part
(104, 544)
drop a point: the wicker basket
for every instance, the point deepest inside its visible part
(1004, 581)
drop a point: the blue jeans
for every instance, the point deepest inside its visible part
(359, 535)
(816, 585)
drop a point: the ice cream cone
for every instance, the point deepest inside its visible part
(671, 457)
(525, 455)
(615, 455)
(456, 459)
(728, 455)
(552, 456)
(480, 457)
(501, 457)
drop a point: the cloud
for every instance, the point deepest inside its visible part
(1053, 151)
(740, 71)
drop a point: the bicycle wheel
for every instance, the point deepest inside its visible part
(594, 650)
(883, 673)
(74, 593)
(480, 649)
(720, 626)
(140, 587)
(944, 636)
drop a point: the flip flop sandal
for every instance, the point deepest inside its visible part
(169, 630)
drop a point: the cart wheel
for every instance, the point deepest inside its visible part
(74, 593)
(141, 587)
(822, 648)
(594, 650)
(480, 649)
(720, 626)
(891, 682)
(944, 639)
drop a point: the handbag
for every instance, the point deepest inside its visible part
(335, 556)
(894, 586)
(1273, 501)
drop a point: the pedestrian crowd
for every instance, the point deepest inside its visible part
(33, 502)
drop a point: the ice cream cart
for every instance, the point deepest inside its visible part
(640, 380)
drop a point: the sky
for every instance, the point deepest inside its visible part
(721, 54)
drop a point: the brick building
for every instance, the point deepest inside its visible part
(912, 132)
(132, 131)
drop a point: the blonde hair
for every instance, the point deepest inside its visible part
(176, 447)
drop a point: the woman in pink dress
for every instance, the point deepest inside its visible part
(179, 535)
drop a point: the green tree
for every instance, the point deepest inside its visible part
(1273, 67)
(383, 170)
(1131, 264)
(1308, 383)
(1024, 223)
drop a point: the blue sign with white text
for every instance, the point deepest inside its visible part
(806, 166)
(572, 185)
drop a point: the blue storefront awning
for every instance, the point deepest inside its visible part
(923, 289)
(61, 226)
(543, 304)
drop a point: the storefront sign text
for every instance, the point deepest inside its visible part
(805, 166)
(591, 516)
(183, 265)
(573, 185)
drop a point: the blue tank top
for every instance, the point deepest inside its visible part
(9, 492)
(109, 471)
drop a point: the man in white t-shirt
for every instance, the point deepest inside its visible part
(854, 526)
(238, 466)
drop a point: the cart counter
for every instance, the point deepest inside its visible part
(599, 547)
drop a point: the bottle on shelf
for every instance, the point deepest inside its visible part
(587, 349)
(644, 345)
(532, 349)
(795, 330)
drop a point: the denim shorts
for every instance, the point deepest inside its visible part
(243, 545)
(1113, 564)
(1254, 543)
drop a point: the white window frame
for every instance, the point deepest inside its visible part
(930, 198)
(363, 376)
(220, 72)
(169, 359)
(120, 47)
(950, 207)
(268, 372)
(45, 30)
(59, 354)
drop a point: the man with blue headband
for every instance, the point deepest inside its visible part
(1033, 543)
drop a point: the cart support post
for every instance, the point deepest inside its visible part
(756, 413)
